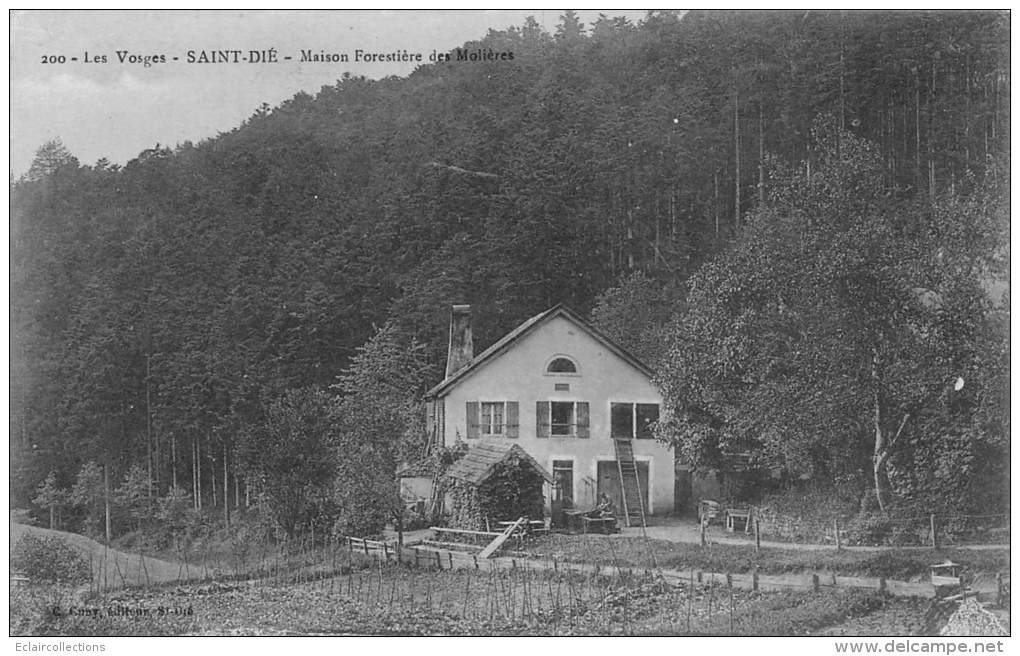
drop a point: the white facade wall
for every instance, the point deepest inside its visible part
(519, 374)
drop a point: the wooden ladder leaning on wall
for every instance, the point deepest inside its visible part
(630, 482)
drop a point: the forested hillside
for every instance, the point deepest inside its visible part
(161, 310)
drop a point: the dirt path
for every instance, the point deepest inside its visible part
(112, 568)
(690, 532)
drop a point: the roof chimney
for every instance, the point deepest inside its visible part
(462, 348)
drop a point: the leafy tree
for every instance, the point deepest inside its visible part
(50, 496)
(89, 497)
(380, 423)
(50, 157)
(134, 495)
(818, 340)
(291, 461)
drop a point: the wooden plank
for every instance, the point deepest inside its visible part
(464, 531)
(503, 537)
(857, 582)
(452, 546)
(907, 589)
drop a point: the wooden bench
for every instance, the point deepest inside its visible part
(738, 514)
(602, 524)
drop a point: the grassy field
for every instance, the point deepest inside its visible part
(638, 552)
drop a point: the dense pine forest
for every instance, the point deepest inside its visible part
(799, 217)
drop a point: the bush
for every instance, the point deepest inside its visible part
(23, 516)
(49, 559)
(360, 521)
(804, 513)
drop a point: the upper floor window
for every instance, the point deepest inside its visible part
(562, 419)
(629, 420)
(561, 365)
(492, 419)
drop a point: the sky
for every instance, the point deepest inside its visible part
(115, 110)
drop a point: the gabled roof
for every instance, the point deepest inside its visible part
(481, 459)
(523, 330)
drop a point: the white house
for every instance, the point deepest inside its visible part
(569, 396)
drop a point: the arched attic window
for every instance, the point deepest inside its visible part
(561, 365)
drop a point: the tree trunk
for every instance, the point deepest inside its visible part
(226, 487)
(761, 156)
(736, 152)
(195, 484)
(917, 129)
(881, 451)
(173, 460)
(148, 420)
(715, 204)
(106, 497)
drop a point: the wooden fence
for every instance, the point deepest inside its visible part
(423, 555)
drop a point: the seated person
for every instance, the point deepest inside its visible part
(604, 508)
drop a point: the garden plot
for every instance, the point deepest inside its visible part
(365, 597)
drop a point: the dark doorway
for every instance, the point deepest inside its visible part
(609, 483)
(563, 473)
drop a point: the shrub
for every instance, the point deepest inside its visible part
(49, 559)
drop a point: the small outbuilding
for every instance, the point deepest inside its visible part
(416, 485)
(494, 481)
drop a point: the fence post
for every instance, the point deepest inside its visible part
(757, 534)
(702, 532)
(835, 530)
(729, 580)
(815, 583)
(385, 552)
(439, 561)
(416, 556)
(934, 532)
(881, 584)
(754, 580)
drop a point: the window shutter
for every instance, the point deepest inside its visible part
(512, 426)
(583, 429)
(544, 414)
(472, 420)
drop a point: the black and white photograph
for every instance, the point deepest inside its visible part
(692, 324)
